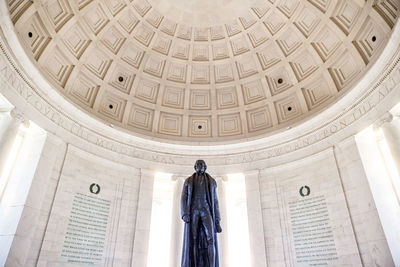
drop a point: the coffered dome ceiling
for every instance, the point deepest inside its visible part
(208, 70)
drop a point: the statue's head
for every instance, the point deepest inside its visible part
(200, 166)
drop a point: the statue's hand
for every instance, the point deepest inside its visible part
(186, 218)
(218, 227)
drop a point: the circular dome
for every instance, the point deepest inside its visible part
(203, 71)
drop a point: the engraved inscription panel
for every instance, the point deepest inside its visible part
(86, 232)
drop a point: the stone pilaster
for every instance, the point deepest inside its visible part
(143, 218)
(223, 237)
(255, 222)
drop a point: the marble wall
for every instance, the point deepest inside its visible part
(337, 174)
(371, 240)
(92, 220)
(329, 187)
(306, 220)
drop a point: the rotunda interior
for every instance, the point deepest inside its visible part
(105, 106)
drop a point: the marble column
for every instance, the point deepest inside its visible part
(223, 237)
(390, 126)
(256, 226)
(177, 223)
(143, 218)
(10, 122)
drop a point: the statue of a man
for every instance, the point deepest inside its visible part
(200, 212)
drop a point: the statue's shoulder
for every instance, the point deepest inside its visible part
(212, 180)
(189, 179)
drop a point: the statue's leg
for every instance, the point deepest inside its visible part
(209, 230)
(195, 256)
(211, 254)
(195, 225)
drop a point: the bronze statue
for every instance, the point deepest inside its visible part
(200, 212)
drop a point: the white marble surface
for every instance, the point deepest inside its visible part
(18, 209)
(258, 255)
(142, 228)
(352, 219)
(110, 154)
(375, 216)
(119, 184)
(281, 184)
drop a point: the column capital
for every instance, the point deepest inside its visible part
(386, 118)
(19, 116)
(5, 109)
(179, 178)
(222, 178)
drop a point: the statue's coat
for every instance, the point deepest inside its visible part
(186, 199)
